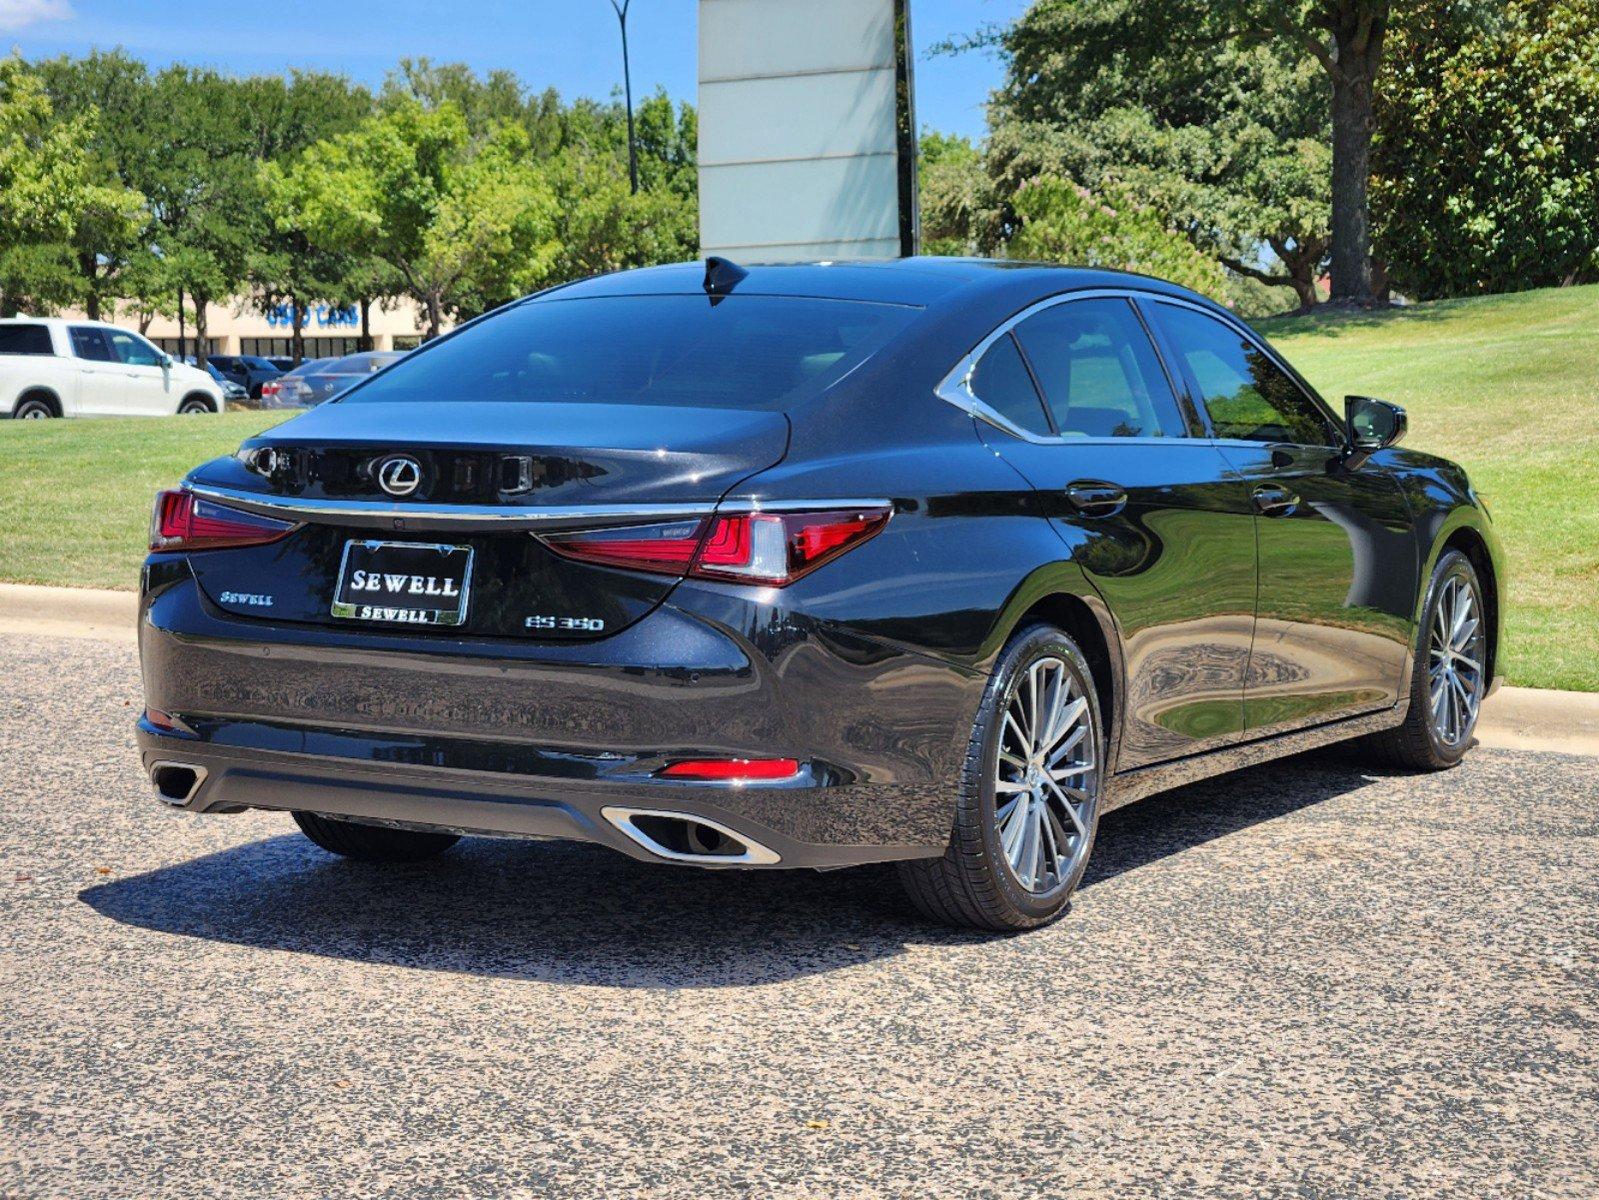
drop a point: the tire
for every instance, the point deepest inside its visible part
(975, 884)
(195, 404)
(373, 843)
(33, 409)
(1435, 738)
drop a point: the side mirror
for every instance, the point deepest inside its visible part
(163, 360)
(1370, 425)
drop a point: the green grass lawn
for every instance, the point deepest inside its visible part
(1508, 385)
(75, 496)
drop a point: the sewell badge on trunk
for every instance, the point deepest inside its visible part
(411, 583)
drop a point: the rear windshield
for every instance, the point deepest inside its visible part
(25, 339)
(760, 352)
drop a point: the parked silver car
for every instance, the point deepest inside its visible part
(305, 388)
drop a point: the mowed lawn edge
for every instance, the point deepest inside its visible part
(1506, 385)
(76, 496)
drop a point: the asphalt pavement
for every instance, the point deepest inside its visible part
(1309, 979)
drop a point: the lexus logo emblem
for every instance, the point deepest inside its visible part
(400, 475)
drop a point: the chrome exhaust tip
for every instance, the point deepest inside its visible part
(176, 783)
(678, 837)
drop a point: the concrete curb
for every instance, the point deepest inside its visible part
(101, 616)
(1512, 718)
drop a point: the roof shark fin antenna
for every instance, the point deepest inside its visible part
(722, 275)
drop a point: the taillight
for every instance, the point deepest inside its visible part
(183, 521)
(271, 388)
(768, 548)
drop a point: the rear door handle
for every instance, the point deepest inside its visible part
(1094, 499)
(1274, 500)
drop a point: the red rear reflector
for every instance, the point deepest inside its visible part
(183, 521)
(767, 548)
(731, 768)
(159, 719)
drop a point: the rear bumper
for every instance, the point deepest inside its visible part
(527, 740)
(480, 804)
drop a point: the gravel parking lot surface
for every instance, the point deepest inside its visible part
(1303, 980)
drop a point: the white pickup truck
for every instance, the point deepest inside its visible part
(56, 368)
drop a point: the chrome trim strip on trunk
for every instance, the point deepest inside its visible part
(387, 514)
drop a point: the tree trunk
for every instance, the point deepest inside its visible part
(297, 338)
(91, 300)
(201, 342)
(1357, 48)
(366, 323)
(435, 315)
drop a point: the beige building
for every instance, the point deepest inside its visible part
(235, 327)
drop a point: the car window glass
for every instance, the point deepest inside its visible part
(1001, 381)
(89, 342)
(730, 352)
(25, 339)
(1099, 371)
(134, 351)
(1247, 395)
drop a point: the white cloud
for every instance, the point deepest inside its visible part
(19, 14)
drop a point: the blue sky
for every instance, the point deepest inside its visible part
(569, 44)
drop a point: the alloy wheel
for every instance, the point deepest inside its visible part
(1046, 784)
(1454, 661)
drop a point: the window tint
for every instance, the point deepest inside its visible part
(1001, 381)
(1248, 396)
(25, 339)
(131, 349)
(1099, 371)
(90, 343)
(751, 352)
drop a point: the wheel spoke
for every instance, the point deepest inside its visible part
(1071, 810)
(1016, 730)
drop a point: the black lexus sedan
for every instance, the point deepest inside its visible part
(933, 561)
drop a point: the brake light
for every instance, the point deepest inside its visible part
(183, 521)
(270, 388)
(767, 548)
(731, 769)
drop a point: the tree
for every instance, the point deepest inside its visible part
(1228, 143)
(288, 269)
(1487, 159)
(109, 244)
(958, 203)
(602, 225)
(1064, 223)
(1343, 39)
(204, 189)
(50, 193)
(462, 221)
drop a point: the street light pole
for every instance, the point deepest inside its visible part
(627, 87)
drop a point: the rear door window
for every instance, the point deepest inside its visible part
(25, 339)
(90, 343)
(1099, 371)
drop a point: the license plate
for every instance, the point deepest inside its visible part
(409, 583)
